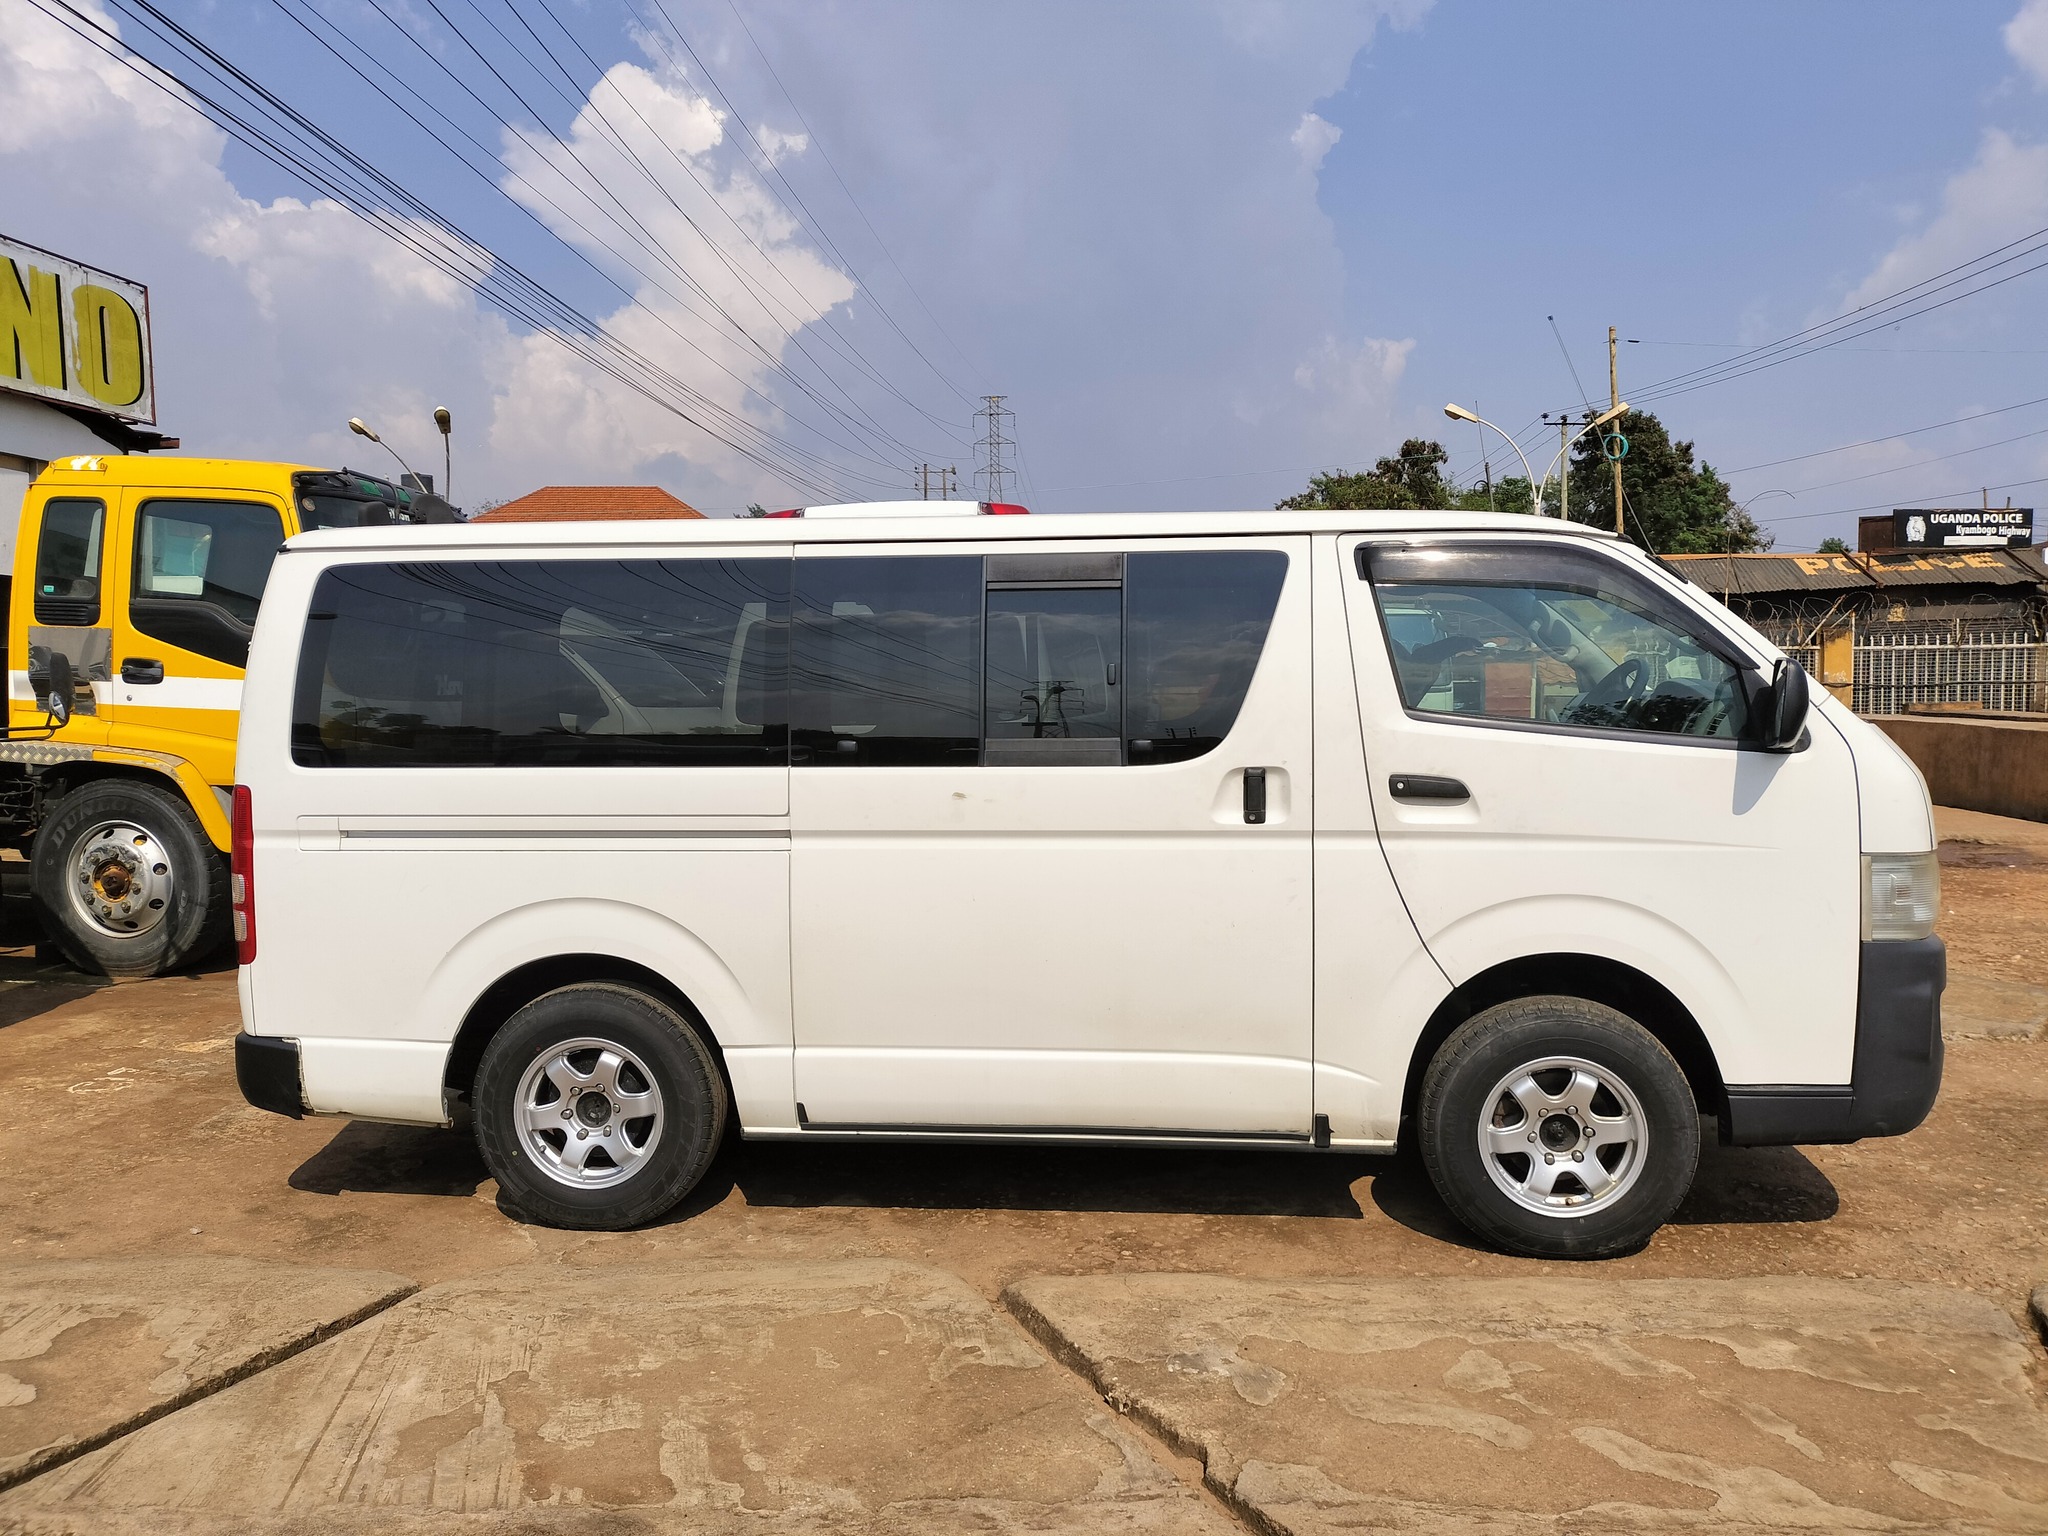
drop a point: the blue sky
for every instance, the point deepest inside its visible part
(1203, 249)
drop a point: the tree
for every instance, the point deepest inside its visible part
(1676, 508)
(1414, 478)
(1834, 547)
(755, 509)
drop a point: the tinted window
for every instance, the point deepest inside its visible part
(200, 569)
(886, 660)
(68, 561)
(1054, 664)
(1554, 637)
(1196, 622)
(585, 663)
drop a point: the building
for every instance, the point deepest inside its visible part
(589, 503)
(76, 372)
(1888, 631)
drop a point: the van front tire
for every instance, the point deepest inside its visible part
(1558, 1128)
(126, 882)
(597, 1108)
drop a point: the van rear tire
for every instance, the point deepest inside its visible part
(597, 1108)
(1558, 1128)
(125, 881)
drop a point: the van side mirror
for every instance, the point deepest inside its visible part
(58, 704)
(1785, 704)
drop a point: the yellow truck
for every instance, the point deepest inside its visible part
(135, 584)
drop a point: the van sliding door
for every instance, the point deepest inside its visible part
(1050, 865)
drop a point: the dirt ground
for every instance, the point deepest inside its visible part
(131, 1139)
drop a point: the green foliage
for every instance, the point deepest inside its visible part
(1834, 546)
(1675, 508)
(1412, 479)
(755, 509)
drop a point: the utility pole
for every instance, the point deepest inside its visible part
(1564, 464)
(948, 479)
(1614, 393)
(994, 476)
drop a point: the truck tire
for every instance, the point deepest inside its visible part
(597, 1107)
(126, 882)
(1558, 1128)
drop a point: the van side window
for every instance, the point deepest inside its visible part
(68, 561)
(578, 663)
(1534, 634)
(200, 569)
(1195, 624)
(886, 660)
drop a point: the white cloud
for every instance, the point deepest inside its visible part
(1314, 138)
(2026, 39)
(276, 321)
(2000, 196)
(1119, 233)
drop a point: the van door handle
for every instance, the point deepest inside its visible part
(138, 669)
(1255, 797)
(1423, 786)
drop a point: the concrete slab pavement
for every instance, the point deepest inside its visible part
(1579, 1403)
(854, 1396)
(90, 1348)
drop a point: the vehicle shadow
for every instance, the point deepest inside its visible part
(367, 1158)
(1136, 1180)
(1760, 1186)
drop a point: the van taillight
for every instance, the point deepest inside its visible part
(1004, 509)
(792, 512)
(242, 877)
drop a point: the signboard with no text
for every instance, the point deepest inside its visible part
(1963, 527)
(74, 334)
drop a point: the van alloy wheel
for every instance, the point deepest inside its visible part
(1563, 1135)
(121, 879)
(589, 1112)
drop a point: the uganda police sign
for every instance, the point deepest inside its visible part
(1963, 527)
(74, 334)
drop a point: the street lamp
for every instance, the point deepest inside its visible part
(1610, 414)
(357, 426)
(1459, 413)
(446, 423)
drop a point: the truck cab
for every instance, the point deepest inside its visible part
(139, 578)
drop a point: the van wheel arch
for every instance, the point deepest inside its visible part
(514, 990)
(1595, 979)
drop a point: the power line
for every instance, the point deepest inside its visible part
(329, 167)
(880, 244)
(425, 99)
(1890, 437)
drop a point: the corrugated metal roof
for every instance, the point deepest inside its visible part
(1754, 575)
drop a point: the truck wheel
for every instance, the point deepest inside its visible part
(597, 1108)
(1558, 1128)
(127, 883)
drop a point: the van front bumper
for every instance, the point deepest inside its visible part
(267, 1072)
(1897, 1069)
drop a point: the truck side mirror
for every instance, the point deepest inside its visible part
(58, 704)
(1785, 706)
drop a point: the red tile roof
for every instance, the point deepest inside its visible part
(589, 503)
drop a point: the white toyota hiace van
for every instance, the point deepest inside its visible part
(1290, 830)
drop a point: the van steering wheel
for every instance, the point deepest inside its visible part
(1624, 685)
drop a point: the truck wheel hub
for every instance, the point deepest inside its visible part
(121, 879)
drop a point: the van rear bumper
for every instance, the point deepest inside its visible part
(267, 1072)
(1897, 1070)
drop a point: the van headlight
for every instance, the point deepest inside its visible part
(1901, 895)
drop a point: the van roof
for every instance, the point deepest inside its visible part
(148, 469)
(474, 539)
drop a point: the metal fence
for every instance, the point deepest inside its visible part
(1897, 670)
